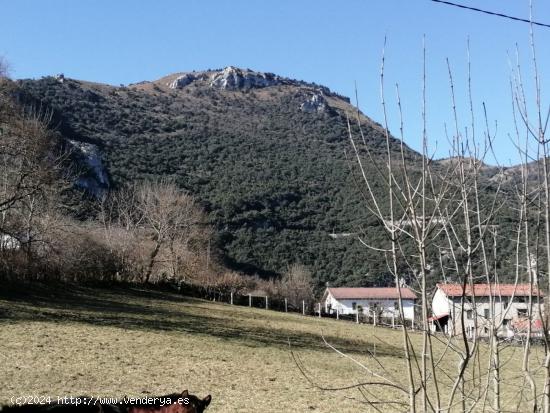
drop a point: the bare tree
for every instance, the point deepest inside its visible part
(296, 285)
(445, 215)
(533, 192)
(121, 223)
(172, 218)
(154, 228)
(32, 171)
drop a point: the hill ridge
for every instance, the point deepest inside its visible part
(268, 162)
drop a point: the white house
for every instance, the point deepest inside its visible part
(510, 308)
(380, 301)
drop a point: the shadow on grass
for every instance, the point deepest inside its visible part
(136, 308)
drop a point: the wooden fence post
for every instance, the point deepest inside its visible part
(231, 297)
(286, 305)
(392, 320)
(374, 318)
(266, 307)
(337, 313)
(319, 310)
(250, 300)
(357, 316)
(303, 307)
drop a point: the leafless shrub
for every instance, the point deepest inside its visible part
(31, 178)
(76, 252)
(157, 231)
(296, 285)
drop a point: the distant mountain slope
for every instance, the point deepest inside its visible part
(265, 155)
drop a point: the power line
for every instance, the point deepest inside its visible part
(491, 13)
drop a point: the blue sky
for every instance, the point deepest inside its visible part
(334, 43)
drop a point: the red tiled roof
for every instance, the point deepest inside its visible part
(371, 293)
(484, 290)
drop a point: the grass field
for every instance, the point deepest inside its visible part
(131, 341)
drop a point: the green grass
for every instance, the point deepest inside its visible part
(131, 341)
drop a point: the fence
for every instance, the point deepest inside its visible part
(370, 318)
(303, 307)
(248, 300)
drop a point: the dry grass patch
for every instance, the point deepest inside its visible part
(71, 341)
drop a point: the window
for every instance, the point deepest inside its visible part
(396, 305)
(469, 314)
(486, 313)
(354, 306)
(522, 312)
(519, 299)
(504, 304)
(505, 322)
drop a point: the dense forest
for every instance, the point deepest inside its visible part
(278, 183)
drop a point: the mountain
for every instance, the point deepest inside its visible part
(267, 157)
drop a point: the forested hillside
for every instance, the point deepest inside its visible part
(268, 159)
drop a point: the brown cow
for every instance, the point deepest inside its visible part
(180, 403)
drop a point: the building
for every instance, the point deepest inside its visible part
(511, 309)
(382, 302)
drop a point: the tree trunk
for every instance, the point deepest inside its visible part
(496, 370)
(151, 263)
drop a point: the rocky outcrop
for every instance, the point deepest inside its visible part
(182, 81)
(315, 103)
(186, 79)
(232, 78)
(95, 178)
(235, 79)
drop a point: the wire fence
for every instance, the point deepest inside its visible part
(275, 303)
(282, 304)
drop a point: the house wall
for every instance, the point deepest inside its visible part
(505, 310)
(441, 304)
(345, 306)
